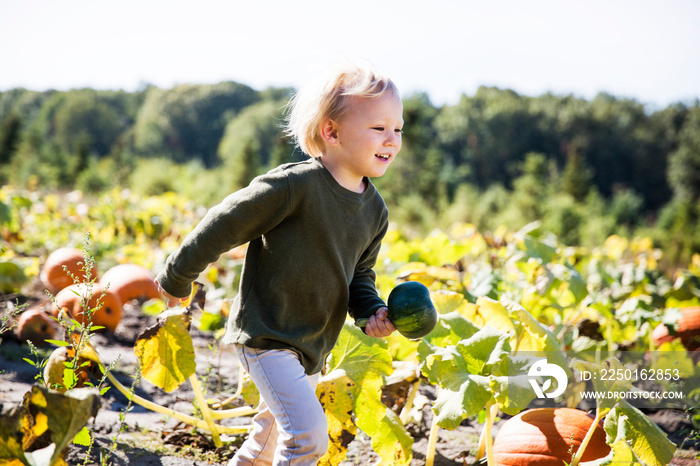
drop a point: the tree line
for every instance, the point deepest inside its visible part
(584, 168)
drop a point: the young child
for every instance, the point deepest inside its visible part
(315, 229)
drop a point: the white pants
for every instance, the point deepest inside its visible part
(290, 427)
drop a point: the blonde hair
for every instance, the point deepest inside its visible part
(328, 97)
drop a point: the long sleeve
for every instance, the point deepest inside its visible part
(364, 300)
(238, 219)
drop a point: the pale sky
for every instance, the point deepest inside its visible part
(641, 49)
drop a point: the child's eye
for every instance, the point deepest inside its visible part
(399, 131)
(378, 128)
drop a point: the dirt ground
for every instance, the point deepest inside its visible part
(142, 437)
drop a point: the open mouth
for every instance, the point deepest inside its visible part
(383, 156)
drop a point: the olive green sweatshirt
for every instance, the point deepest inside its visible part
(313, 246)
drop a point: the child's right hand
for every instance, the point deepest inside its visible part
(169, 299)
(379, 324)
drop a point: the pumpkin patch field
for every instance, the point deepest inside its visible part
(507, 341)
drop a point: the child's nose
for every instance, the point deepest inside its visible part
(392, 139)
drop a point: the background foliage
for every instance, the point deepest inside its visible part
(585, 168)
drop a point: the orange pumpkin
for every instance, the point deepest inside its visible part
(34, 325)
(55, 278)
(108, 315)
(688, 329)
(131, 281)
(547, 437)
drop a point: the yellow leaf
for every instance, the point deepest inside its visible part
(38, 399)
(212, 274)
(250, 393)
(358, 366)
(41, 423)
(165, 350)
(621, 453)
(334, 393)
(14, 462)
(492, 313)
(448, 301)
(428, 275)
(616, 246)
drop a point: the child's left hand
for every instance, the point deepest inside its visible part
(379, 324)
(170, 300)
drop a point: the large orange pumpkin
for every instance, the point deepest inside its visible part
(53, 275)
(547, 437)
(108, 315)
(688, 329)
(36, 326)
(131, 281)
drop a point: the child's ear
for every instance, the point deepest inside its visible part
(329, 132)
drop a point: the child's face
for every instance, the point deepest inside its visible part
(368, 137)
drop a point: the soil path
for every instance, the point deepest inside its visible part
(147, 438)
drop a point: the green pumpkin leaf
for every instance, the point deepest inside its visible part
(457, 401)
(626, 426)
(628, 429)
(528, 335)
(450, 329)
(535, 337)
(471, 374)
(512, 393)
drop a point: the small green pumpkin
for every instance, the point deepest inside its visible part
(410, 310)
